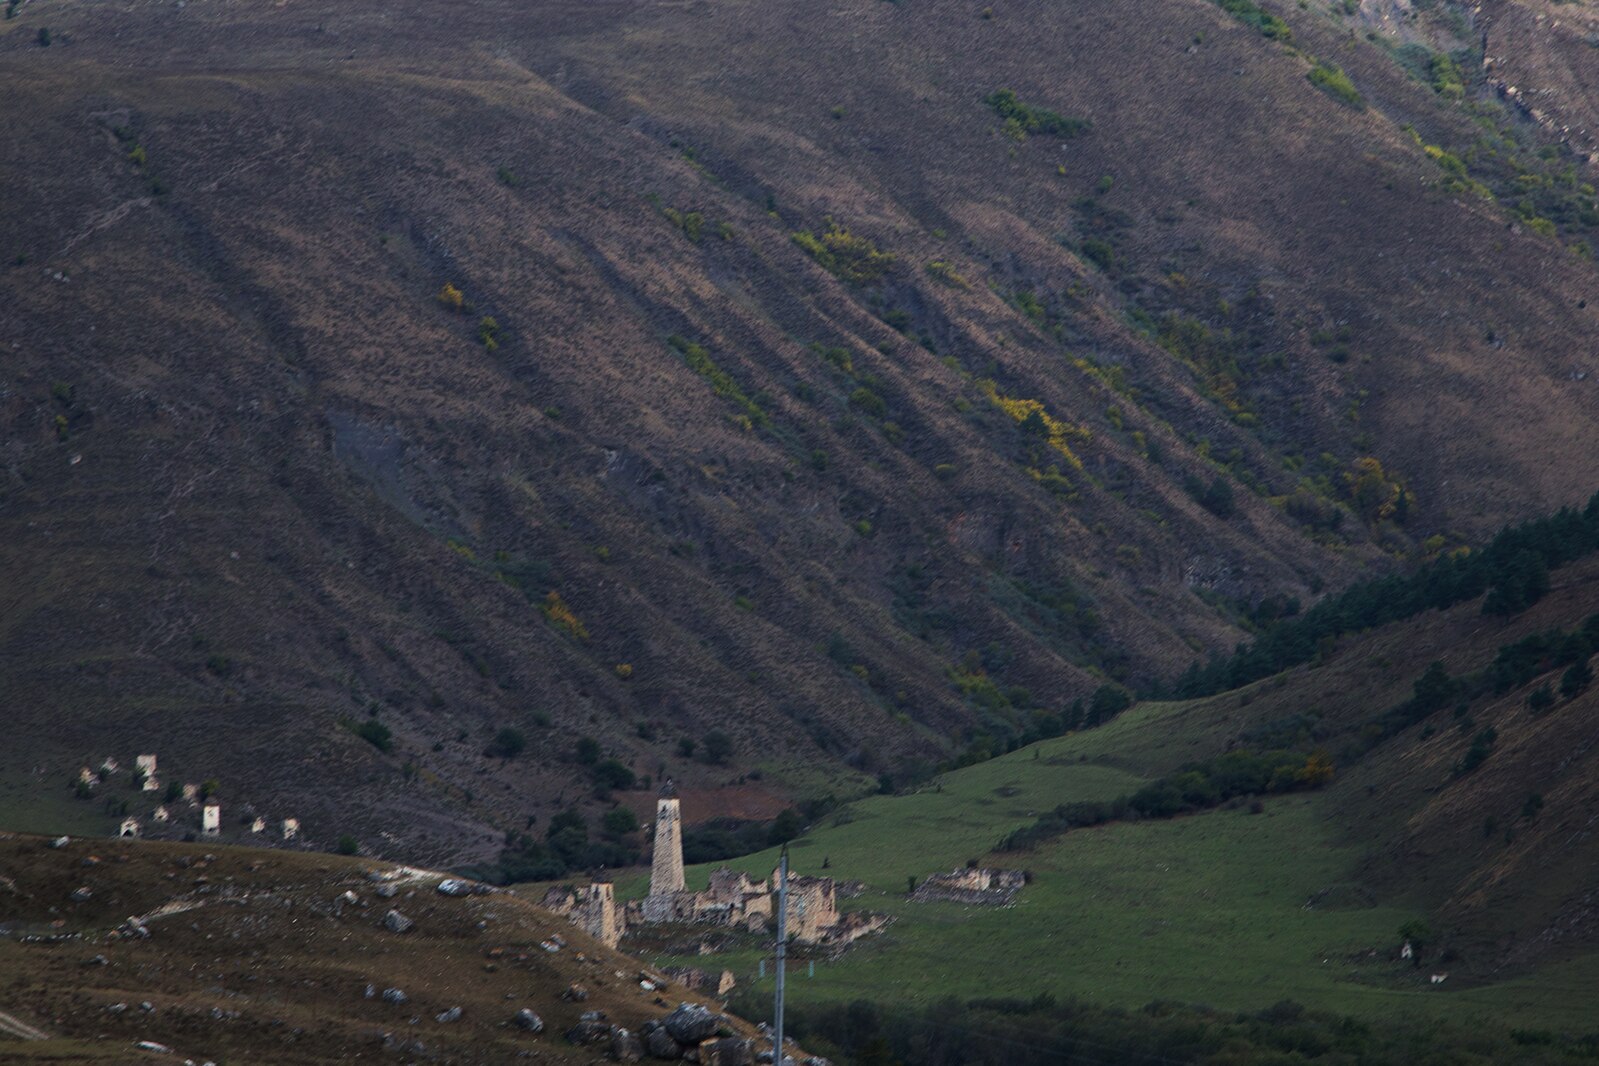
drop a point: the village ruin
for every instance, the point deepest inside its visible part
(732, 900)
(979, 885)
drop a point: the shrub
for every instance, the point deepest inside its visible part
(722, 383)
(586, 751)
(451, 298)
(612, 773)
(508, 743)
(1022, 119)
(1099, 252)
(1331, 80)
(718, 747)
(488, 333)
(844, 255)
(348, 845)
(376, 734)
(1250, 13)
(556, 610)
(1576, 679)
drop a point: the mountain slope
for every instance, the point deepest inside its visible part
(265, 473)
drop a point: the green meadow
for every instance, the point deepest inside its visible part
(1206, 909)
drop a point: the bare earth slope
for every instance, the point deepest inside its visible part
(256, 956)
(258, 478)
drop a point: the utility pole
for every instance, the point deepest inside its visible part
(782, 954)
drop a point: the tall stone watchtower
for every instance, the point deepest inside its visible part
(666, 869)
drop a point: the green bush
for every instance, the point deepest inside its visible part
(844, 255)
(718, 747)
(348, 845)
(1022, 119)
(376, 734)
(1331, 80)
(1251, 14)
(508, 743)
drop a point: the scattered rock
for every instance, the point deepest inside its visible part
(147, 1007)
(387, 891)
(692, 1024)
(151, 1045)
(575, 993)
(626, 1046)
(589, 1032)
(98, 960)
(81, 894)
(350, 898)
(395, 922)
(727, 1051)
(527, 1021)
(116, 1008)
(660, 1045)
(394, 996)
(593, 1016)
(447, 1016)
(60, 842)
(369, 992)
(454, 886)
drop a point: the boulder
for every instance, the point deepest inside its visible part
(589, 1032)
(60, 842)
(726, 1051)
(660, 1045)
(626, 1045)
(387, 891)
(395, 922)
(692, 1024)
(447, 1016)
(394, 996)
(81, 894)
(454, 886)
(575, 993)
(527, 1021)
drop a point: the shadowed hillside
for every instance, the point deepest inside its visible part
(641, 372)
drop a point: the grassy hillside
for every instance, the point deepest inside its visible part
(1236, 909)
(640, 372)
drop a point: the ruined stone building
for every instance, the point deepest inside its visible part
(972, 885)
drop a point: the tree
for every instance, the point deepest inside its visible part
(1106, 703)
(1418, 934)
(1433, 689)
(348, 845)
(508, 743)
(785, 827)
(718, 746)
(374, 733)
(1576, 679)
(618, 821)
(613, 774)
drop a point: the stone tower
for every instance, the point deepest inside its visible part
(599, 914)
(666, 871)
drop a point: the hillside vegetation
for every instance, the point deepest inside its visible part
(396, 396)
